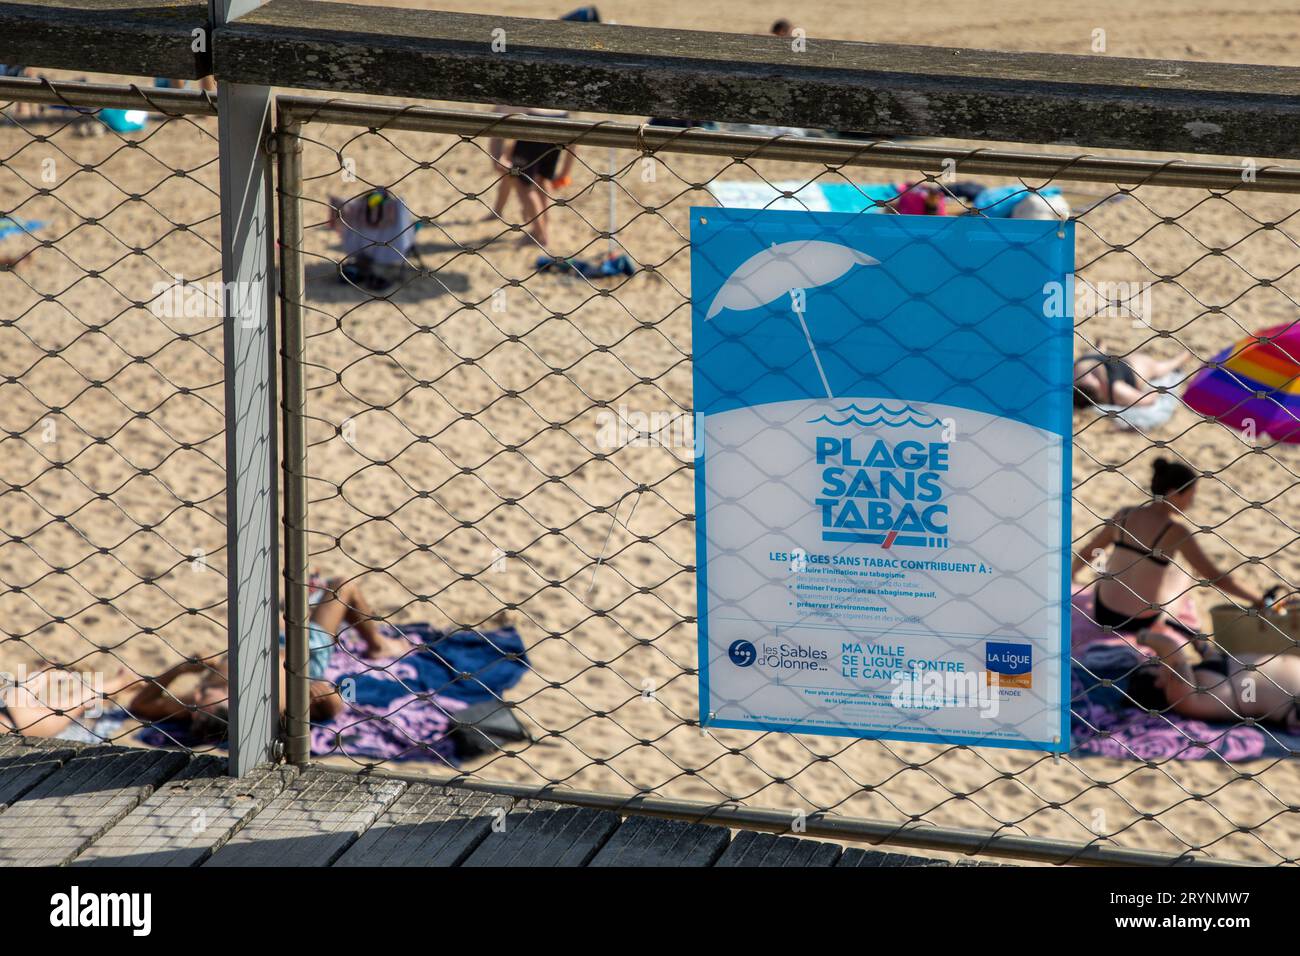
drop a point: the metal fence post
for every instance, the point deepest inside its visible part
(297, 682)
(248, 274)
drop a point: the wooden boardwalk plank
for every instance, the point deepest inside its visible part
(542, 834)
(26, 762)
(428, 826)
(311, 822)
(651, 841)
(858, 857)
(767, 849)
(103, 805)
(188, 817)
(73, 806)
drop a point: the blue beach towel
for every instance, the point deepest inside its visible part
(401, 709)
(12, 224)
(469, 666)
(999, 202)
(617, 265)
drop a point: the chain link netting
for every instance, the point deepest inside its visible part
(500, 446)
(112, 424)
(499, 429)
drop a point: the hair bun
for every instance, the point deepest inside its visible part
(1169, 475)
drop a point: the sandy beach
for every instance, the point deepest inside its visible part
(431, 474)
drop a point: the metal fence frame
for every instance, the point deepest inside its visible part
(295, 112)
(256, 738)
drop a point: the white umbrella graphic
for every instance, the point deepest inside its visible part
(788, 267)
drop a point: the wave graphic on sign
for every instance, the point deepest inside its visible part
(884, 415)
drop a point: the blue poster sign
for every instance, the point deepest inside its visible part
(883, 474)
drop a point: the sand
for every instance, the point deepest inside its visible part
(431, 473)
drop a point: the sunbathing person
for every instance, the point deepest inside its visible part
(49, 702)
(1144, 542)
(337, 604)
(205, 707)
(1214, 686)
(1110, 380)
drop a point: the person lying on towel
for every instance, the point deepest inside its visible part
(1215, 686)
(47, 703)
(1119, 381)
(336, 604)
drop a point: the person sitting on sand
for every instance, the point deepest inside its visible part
(1144, 541)
(1214, 686)
(48, 703)
(1111, 380)
(378, 233)
(342, 604)
(534, 171)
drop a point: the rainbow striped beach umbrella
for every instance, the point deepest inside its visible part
(1254, 384)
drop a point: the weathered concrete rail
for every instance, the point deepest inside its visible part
(882, 89)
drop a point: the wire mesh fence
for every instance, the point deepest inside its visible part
(498, 460)
(490, 451)
(112, 476)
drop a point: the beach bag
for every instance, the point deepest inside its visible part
(1265, 632)
(485, 728)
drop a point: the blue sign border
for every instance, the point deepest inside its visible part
(794, 225)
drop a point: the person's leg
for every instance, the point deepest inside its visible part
(1152, 369)
(507, 186)
(1291, 722)
(48, 703)
(535, 204)
(357, 270)
(37, 720)
(345, 605)
(384, 277)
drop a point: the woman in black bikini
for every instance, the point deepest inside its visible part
(1135, 586)
(1111, 380)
